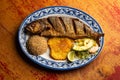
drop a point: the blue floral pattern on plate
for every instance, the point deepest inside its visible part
(59, 10)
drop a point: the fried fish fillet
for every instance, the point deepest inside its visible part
(60, 47)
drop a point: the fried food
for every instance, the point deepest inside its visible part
(60, 47)
(62, 26)
(37, 45)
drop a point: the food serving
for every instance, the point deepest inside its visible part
(37, 45)
(60, 47)
(66, 37)
(57, 23)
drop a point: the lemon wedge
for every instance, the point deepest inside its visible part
(71, 56)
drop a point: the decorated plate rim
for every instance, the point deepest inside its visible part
(70, 67)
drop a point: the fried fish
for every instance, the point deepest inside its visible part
(62, 27)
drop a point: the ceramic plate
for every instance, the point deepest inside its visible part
(44, 60)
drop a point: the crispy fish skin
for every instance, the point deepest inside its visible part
(62, 27)
(79, 27)
(68, 25)
(38, 26)
(35, 27)
(60, 47)
(57, 25)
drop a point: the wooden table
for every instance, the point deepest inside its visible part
(14, 67)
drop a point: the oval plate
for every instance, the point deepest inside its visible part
(46, 62)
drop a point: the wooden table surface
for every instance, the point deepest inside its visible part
(14, 67)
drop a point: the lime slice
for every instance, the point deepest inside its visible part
(71, 56)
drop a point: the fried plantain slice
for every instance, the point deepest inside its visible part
(60, 47)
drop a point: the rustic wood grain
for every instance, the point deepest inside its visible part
(14, 67)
